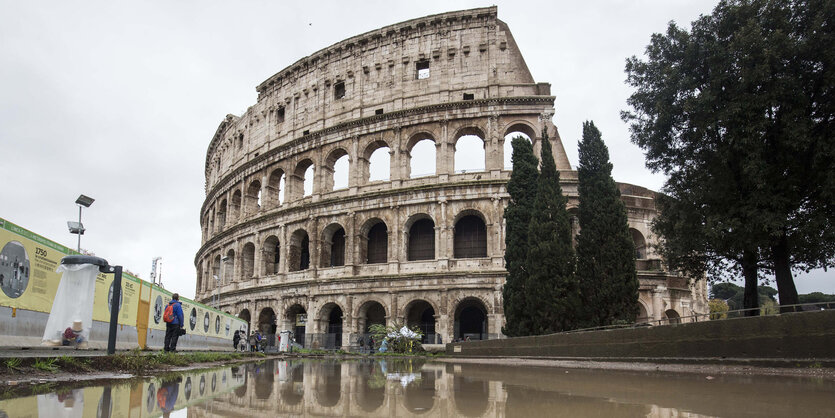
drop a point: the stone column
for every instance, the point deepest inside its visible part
(445, 153)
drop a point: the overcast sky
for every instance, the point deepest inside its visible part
(119, 101)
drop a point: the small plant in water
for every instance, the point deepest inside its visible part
(13, 363)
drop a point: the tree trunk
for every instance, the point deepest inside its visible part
(786, 290)
(750, 298)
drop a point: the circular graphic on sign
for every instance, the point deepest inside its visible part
(223, 378)
(202, 384)
(206, 322)
(192, 318)
(110, 298)
(14, 269)
(227, 328)
(214, 382)
(152, 397)
(187, 388)
(217, 324)
(158, 309)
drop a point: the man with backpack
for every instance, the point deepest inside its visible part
(173, 318)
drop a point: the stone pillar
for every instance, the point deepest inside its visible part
(445, 153)
(493, 147)
(354, 168)
(284, 249)
(658, 303)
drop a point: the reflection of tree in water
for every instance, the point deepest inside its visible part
(372, 393)
(470, 395)
(264, 379)
(329, 388)
(292, 390)
(526, 402)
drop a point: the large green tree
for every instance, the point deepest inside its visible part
(738, 112)
(605, 251)
(522, 190)
(551, 290)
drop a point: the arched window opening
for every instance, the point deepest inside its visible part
(333, 246)
(640, 244)
(272, 255)
(253, 198)
(299, 251)
(340, 173)
(469, 154)
(333, 334)
(221, 215)
(229, 267)
(378, 244)
(308, 181)
(245, 316)
(421, 314)
(375, 314)
(422, 159)
(471, 320)
(379, 165)
(422, 240)
(470, 239)
(672, 316)
(215, 273)
(248, 261)
(235, 210)
(508, 148)
(643, 316)
(296, 319)
(275, 188)
(329, 385)
(268, 326)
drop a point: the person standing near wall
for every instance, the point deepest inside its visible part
(173, 318)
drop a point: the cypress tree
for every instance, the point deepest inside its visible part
(522, 190)
(551, 290)
(605, 251)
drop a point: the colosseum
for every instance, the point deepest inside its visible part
(368, 182)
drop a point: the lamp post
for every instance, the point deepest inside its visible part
(78, 227)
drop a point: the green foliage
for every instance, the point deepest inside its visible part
(522, 190)
(605, 251)
(13, 363)
(398, 343)
(737, 113)
(46, 364)
(73, 364)
(718, 309)
(551, 292)
(816, 297)
(734, 295)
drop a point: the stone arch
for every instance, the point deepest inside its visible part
(470, 395)
(248, 261)
(331, 316)
(252, 199)
(332, 247)
(200, 276)
(328, 388)
(246, 317)
(302, 184)
(419, 397)
(299, 251)
(522, 129)
(672, 316)
(221, 214)
(470, 155)
(420, 237)
(368, 314)
(377, 157)
(643, 312)
(470, 235)
(640, 244)
(229, 267)
(337, 169)
(374, 238)
(295, 319)
(216, 268)
(235, 205)
(370, 398)
(267, 324)
(423, 156)
(276, 188)
(271, 251)
(288, 391)
(471, 319)
(422, 313)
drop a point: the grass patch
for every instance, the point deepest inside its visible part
(46, 364)
(13, 364)
(73, 364)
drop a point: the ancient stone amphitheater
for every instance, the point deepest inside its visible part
(351, 193)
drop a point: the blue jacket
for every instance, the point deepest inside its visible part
(178, 313)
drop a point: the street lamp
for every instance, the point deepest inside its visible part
(78, 227)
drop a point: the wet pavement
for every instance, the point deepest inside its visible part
(412, 387)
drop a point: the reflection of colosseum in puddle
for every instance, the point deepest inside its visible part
(14, 269)
(318, 245)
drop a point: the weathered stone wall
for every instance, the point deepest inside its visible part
(477, 86)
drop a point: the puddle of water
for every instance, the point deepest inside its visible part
(403, 387)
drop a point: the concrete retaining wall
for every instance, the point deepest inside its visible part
(790, 336)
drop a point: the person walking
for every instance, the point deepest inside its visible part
(236, 339)
(259, 341)
(252, 342)
(173, 318)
